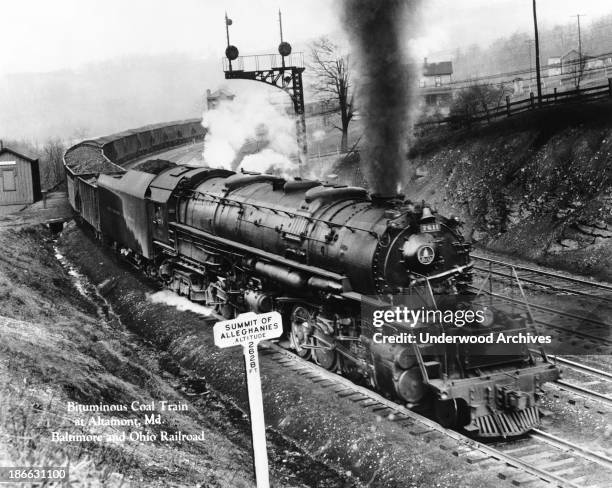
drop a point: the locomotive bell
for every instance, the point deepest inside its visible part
(427, 215)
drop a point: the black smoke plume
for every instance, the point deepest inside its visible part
(379, 31)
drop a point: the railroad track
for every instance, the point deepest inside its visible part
(594, 340)
(537, 460)
(583, 368)
(582, 388)
(593, 331)
(541, 316)
(545, 279)
(583, 392)
(565, 459)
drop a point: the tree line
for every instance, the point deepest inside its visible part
(50, 158)
(516, 52)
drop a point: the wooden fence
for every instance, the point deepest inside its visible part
(512, 108)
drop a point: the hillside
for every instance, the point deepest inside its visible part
(61, 344)
(537, 185)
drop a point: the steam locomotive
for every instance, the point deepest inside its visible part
(325, 256)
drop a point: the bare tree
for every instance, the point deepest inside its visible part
(52, 165)
(477, 100)
(332, 78)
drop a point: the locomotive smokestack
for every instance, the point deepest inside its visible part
(381, 200)
(379, 32)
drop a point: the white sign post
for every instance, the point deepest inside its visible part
(247, 330)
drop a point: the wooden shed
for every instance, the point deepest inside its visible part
(19, 178)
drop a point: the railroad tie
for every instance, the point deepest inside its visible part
(524, 480)
(553, 464)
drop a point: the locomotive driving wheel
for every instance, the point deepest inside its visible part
(452, 412)
(324, 355)
(302, 325)
(447, 412)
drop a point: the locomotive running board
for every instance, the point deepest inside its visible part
(343, 280)
(166, 247)
(455, 270)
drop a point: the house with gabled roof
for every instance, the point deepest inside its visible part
(19, 179)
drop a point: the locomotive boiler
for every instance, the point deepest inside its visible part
(325, 256)
(348, 240)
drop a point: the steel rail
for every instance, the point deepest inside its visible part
(604, 375)
(574, 448)
(583, 392)
(545, 285)
(557, 312)
(594, 284)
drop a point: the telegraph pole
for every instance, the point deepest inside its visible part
(537, 53)
(579, 37)
(280, 26)
(231, 52)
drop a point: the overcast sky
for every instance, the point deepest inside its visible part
(42, 35)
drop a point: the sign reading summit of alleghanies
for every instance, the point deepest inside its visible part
(247, 330)
(248, 327)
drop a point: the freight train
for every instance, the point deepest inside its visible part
(327, 257)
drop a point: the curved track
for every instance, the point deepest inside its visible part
(541, 314)
(545, 279)
(592, 331)
(537, 460)
(589, 377)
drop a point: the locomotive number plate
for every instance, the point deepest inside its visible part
(435, 227)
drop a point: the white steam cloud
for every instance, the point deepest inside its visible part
(181, 303)
(249, 133)
(269, 160)
(318, 135)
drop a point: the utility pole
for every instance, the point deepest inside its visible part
(231, 52)
(579, 38)
(537, 53)
(280, 26)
